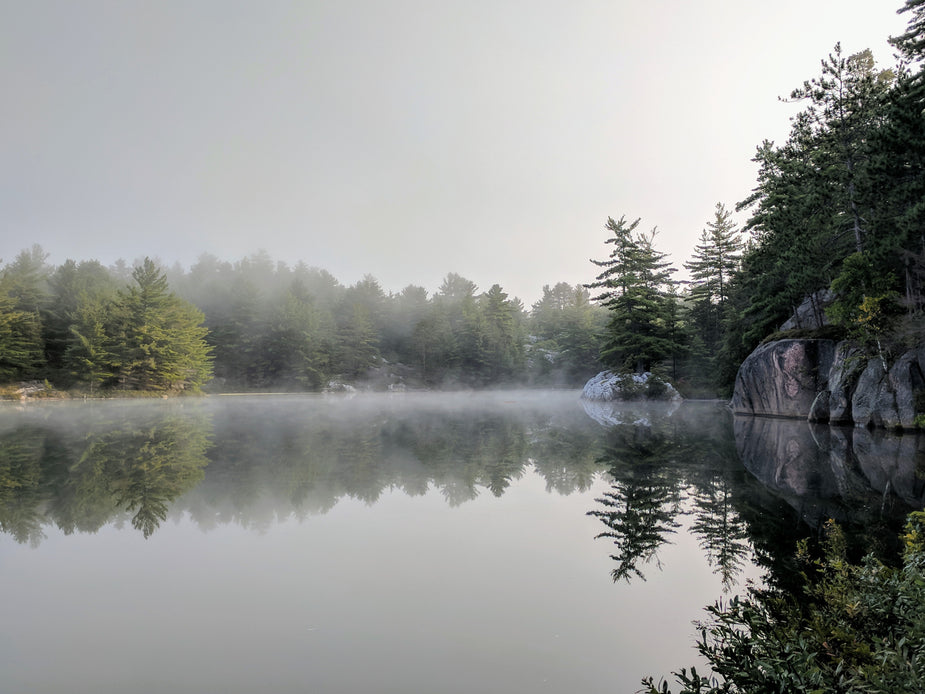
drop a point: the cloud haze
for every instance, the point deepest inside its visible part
(403, 139)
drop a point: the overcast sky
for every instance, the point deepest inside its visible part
(397, 138)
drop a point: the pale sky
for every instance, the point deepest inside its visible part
(404, 139)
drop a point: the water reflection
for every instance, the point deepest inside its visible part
(740, 486)
(867, 480)
(97, 468)
(272, 459)
(687, 464)
(300, 460)
(393, 577)
(666, 464)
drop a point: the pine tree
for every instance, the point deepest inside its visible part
(567, 326)
(844, 110)
(639, 293)
(20, 340)
(157, 340)
(502, 343)
(23, 295)
(73, 319)
(716, 257)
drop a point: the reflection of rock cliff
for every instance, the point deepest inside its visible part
(827, 381)
(823, 471)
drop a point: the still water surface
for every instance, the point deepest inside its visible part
(505, 542)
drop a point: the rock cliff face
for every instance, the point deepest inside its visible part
(827, 381)
(783, 378)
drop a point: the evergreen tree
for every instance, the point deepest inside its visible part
(405, 311)
(26, 279)
(817, 201)
(23, 295)
(638, 291)
(502, 353)
(716, 258)
(20, 340)
(294, 349)
(157, 340)
(566, 327)
(73, 319)
(359, 319)
(844, 110)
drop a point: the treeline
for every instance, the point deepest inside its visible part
(260, 324)
(841, 204)
(836, 225)
(836, 219)
(84, 323)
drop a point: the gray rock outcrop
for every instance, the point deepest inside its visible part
(783, 378)
(811, 313)
(825, 381)
(608, 386)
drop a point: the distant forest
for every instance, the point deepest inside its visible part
(257, 324)
(836, 223)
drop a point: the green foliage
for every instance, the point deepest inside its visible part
(82, 479)
(567, 329)
(155, 340)
(20, 340)
(858, 628)
(80, 297)
(862, 294)
(715, 261)
(256, 324)
(839, 204)
(638, 291)
(23, 291)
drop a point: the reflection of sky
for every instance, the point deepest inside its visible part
(408, 594)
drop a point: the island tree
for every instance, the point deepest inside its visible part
(638, 291)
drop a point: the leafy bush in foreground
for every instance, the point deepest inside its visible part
(860, 628)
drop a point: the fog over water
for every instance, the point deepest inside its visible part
(497, 542)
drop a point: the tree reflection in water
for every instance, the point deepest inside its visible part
(82, 468)
(742, 488)
(99, 468)
(666, 464)
(145, 469)
(755, 485)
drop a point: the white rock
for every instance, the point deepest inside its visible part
(608, 386)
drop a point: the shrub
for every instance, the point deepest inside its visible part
(859, 628)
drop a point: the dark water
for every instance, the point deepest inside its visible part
(506, 542)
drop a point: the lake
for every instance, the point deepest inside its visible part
(412, 542)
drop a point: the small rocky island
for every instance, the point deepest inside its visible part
(608, 386)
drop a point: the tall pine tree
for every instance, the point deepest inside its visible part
(639, 293)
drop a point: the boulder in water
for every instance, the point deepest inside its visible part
(609, 386)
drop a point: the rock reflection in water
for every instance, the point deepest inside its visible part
(856, 476)
(614, 413)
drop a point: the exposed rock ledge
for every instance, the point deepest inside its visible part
(828, 381)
